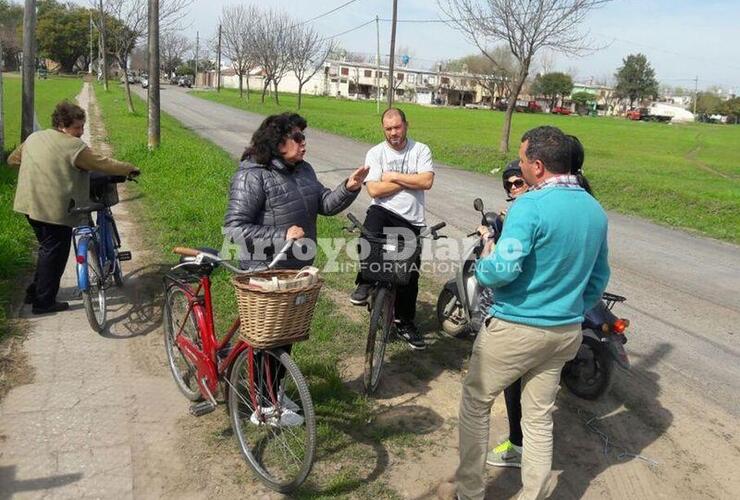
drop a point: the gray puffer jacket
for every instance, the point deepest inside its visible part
(265, 200)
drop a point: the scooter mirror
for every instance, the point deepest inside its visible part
(478, 204)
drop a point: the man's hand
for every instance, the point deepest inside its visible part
(355, 180)
(294, 233)
(484, 231)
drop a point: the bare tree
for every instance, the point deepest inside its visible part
(132, 26)
(307, 55)
(526, 27)
(274, 35)
(172, 49)
(238, 24)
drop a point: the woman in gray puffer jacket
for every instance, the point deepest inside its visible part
(275, 195)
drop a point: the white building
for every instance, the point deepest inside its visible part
(363, 80)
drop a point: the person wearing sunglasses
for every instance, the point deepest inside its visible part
(275, 194)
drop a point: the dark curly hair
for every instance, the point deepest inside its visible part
(65, 114)
(270, 134)
(551, 146)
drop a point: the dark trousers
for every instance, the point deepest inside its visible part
(376, 221)
(513, 397)
(54, 243)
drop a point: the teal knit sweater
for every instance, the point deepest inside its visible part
(550, 264)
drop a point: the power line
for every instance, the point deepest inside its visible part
(328, 12)
(350, 30)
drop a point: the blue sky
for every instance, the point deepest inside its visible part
(681, 38)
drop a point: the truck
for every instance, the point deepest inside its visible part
(646, 115)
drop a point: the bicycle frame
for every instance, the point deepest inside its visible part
(210, 368)
(103, 232)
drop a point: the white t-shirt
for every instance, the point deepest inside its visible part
(415, 158)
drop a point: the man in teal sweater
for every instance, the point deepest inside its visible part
(549, 267)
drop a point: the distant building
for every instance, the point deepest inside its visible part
(353, 80)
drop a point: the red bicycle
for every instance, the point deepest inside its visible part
(268, 400)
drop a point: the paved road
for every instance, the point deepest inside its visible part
(683, 290)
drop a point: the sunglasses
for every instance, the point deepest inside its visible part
(519, 183)
(297, 137)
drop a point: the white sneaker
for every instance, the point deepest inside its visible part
(290, 404)
(287, 418)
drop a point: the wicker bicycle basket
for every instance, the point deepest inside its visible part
(277, 317)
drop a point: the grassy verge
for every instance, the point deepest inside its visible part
(184, 191)
(681, 175)
(16, 237)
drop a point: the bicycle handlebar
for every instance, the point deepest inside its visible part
(201, 256)
(356, 224)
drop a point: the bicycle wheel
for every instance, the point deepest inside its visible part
(94, 297)
(175, 320)
(273, 418)
(377, 338)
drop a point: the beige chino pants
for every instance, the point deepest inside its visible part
(502, 353)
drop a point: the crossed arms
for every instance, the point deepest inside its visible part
(393, 182)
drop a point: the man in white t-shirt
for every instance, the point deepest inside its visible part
(401, 171)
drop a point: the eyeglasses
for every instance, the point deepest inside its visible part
(298, 137)
(519, 183)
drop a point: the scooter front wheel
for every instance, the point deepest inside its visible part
(450, 314)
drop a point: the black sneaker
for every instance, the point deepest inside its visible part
(55, 307)
(409, 333)
(360, 295)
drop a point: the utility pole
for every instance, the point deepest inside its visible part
(218, 66)
(2, 110)
(391, 88)
(696, 90)
(377, 66)
(153, 89)
(195, 77)
(89, 67)
(102, 47)
(29, 67)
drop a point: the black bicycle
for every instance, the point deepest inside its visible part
(388, 266)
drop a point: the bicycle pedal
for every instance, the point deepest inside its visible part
(123, 256)
(202, 408)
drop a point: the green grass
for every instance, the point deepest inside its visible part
(183, 189)
(685, 176)
(16, 236)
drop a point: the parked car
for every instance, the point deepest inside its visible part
(184, 81)
(144, 81)
(561, 110)
(644, 114)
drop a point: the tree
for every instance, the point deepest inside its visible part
(636, 79)
(62, 34)
(495, 78)
(172, 49)
(581, 99)
(272, 40)
(553, 86)
(526, 28)
(731, 108)
(131, 26)
(708, 103)
(238, 28)
(11, 20)
(307, 55)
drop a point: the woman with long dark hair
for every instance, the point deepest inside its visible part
(275, 195)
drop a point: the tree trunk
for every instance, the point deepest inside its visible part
(129, 101)
(154, 128)
(277, 97)
(506, 131)
(241, 86)
(247, 85)
(264, 90)
(300, 93)
(103, 49)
